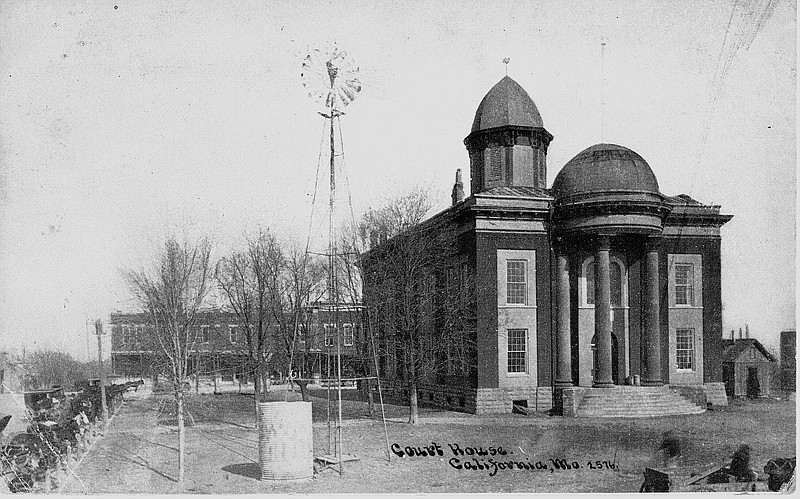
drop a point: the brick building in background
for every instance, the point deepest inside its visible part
(222, 347)
(596, 282)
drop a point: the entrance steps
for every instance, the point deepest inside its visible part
(634, 402)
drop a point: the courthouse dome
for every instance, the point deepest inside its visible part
(605, 168)
(506, 104)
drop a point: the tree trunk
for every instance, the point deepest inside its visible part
(266, 382)
(412, 403)
(413, 408)
(370, 398)
(303, 393)
(257, 384)
(181, 433)
(197, 373)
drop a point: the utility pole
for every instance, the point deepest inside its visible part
(88, 343)
(24, 370)
(98, 328)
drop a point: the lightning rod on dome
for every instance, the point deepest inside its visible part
(602, 84)
(506, 60)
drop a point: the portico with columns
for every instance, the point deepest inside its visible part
(608, 198)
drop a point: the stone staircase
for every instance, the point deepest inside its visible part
(634, 402)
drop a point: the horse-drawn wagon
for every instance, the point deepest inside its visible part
(60, 429)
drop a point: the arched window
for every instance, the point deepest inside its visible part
(617, 275)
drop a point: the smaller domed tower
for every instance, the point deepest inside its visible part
(508, 143)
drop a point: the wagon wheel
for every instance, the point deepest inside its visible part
(21, 459)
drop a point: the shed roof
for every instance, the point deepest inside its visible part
(735, 348)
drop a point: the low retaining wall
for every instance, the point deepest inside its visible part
(695, 394)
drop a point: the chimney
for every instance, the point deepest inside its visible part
(740, 333)
(458, 189)
(747, 331)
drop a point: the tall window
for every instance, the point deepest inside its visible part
(684, 348)
(517, 350)
(684, 284)
(616, 284)
(126, 335)
(204, 336)
(302, 333)
(232, 330)
(347, 335)
(516, 283)
(330, 332)
(615, 270)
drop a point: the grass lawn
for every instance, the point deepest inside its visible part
(140, 451)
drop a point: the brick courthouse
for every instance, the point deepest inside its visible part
(594, 283)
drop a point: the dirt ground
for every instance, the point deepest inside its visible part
(139, 454)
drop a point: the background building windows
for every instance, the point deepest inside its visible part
(204, 336)
(517, 350)
(347, 335)
(684, 284)
(516, 283)
(684, 348)
(232, 333)
(330, 332)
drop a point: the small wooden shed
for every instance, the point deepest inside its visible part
(747, 368)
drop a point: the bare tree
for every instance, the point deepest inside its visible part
(48, 368)
(251, 282)
(171, 293)
(351, 280)
(400, 278)
(301, 284)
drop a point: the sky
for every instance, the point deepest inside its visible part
(124, 121)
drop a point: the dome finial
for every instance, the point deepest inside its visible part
(602, 85)
(506, 60)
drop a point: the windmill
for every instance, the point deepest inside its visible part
(330, 76)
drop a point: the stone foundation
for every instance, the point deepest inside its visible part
(696, 394)
(571, 399)
(453, 398)
(501, 400)
(715, 393)
(471, 400)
